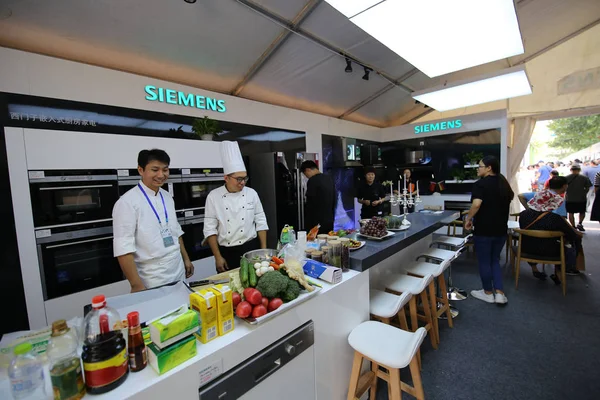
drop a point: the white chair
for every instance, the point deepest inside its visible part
(385, 306)
(438, 256)
(390, 348)
(450, 242)
(417, 287)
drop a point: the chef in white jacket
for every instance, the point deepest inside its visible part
(234, 221)
(147, 237)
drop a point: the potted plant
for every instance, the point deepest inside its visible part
(205, 128)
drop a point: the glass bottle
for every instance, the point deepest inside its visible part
(138, 356)
(65, 365)
(345, 256)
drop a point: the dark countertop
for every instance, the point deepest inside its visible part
(375, 251)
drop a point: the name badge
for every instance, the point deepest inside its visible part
(167, 237)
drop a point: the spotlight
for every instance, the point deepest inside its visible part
(190, 1)
(348, 66)
(366, 75)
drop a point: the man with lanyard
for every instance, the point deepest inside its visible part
(371, 195)
(234, 222)
(147, 237)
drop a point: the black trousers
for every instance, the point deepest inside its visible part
(233, 254)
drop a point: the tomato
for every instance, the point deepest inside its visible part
(247, 292)
(236, 298)
(259, 311)
(265, 302)
(274, 304)
(254, 298)
(243, 310)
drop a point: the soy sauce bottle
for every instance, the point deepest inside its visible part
(138, 355)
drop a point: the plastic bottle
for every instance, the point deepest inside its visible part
(26, 374)
(65, 365)
(104, 356)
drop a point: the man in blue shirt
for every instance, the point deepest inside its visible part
(591, 172)
(543, 174)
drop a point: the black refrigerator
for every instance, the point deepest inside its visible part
(281, 187)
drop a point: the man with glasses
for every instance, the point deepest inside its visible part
(234, 221)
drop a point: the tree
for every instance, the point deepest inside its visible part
(574, 134)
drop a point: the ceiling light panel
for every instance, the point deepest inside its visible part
(512, 82)
(441, 36)
(352, 7)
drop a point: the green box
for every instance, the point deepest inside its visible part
(177, 328)
(163, 360)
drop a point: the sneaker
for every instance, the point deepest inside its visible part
(500, 298)
(482, 295)
(572, 272)
(580, 227)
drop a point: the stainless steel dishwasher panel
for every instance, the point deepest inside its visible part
(284, 369)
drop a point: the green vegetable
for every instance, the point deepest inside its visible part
(244, 277)
(342, 233)
(393, 222)
(235, 283)
(284, 272)
(271, 284)
(252, 278)
(291, 292)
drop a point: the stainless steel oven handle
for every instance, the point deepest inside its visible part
(75, 187)
(79, 242)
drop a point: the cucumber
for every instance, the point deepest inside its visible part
(252, 278)
(244, 272)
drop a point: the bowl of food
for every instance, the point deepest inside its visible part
(260, 255)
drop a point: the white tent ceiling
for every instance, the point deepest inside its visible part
(283, 52)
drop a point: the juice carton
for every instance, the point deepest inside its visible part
(204, 302)
(225, 308)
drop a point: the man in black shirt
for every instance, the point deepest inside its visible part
(320, 198)
(371, 195)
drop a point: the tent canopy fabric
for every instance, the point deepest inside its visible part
(287, 52)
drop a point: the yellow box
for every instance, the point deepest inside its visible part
(225, 308)
(204, 302)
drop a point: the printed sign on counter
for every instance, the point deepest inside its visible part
(211, 371)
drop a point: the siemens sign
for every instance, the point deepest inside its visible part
(184, 99)
(438, 126)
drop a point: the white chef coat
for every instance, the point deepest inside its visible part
(137, 230)
(234, 217)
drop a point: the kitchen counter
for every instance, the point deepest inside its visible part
(422, 225)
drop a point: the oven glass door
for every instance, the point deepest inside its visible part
(193, 235)
(74, 265)
(58, 203)
(196, 191)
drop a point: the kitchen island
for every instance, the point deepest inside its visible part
(335, 311)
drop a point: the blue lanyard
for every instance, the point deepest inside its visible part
(152, 206)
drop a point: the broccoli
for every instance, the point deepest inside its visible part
(284, 272)
(272, 283)
(291, 292)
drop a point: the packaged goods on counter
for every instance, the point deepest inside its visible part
(136, 348)
(204, 303)
(318, 270)
(163, 360)
(173, 326)
(224, 308)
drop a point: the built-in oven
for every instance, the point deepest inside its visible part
(76, 258)
(60, 197)
(129, 178)
(193, 237)
(196, 184)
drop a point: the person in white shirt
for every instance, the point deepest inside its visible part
(147, 237)
(234, 220)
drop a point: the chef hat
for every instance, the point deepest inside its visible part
(232, 158)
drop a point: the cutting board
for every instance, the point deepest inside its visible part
(216, 277)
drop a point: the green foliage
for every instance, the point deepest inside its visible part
(205, 126)
(472, 157)
(574, 134)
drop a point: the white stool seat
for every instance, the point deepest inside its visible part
(440, 255)
(422, 268)
(387, 305)
(386, 345)
(411, 284)
(451, 241)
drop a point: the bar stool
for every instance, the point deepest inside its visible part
(423, 269)
(384, 306)
(417, 287)
(390, 348)
(439, 255)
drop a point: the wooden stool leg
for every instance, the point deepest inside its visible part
(394, 383)
(416, 378)
(385, 320)
(402, 320)
(517, 271)
(428, 317)
(434, 318)
(413, 314)
(374, 369)
(444, 291)
(354, 375)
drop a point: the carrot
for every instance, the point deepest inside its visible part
(277, 260)
(274, 265)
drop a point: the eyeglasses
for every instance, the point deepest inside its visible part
(240, 179)
(482, 166)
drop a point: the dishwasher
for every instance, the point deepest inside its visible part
(284, 369)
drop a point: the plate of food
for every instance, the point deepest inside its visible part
(394, 223)
(387, 235)
(341, 232)
(375, 229)
(356, 244)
